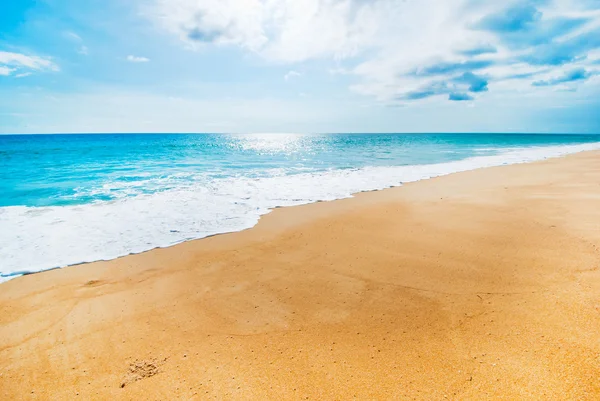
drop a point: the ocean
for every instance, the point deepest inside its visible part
(68, 199)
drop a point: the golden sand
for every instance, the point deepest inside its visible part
(479, 285)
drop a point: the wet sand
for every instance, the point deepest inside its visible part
(479, 285)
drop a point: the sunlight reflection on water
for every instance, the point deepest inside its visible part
(274, 143)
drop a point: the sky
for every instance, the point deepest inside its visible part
(70, 66)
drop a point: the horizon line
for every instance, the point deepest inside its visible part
(304, 133)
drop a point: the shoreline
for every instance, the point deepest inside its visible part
(474, 285)
(555, 153)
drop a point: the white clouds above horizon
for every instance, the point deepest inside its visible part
(291, 75)
(365, 65)
(137, 59)
(400, 51)
(72, 36)
(6, 71)
(21, 64)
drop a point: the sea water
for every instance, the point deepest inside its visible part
(68, 199)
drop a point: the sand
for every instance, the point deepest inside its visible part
(479, 285)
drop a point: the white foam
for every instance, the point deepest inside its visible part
(39, 238)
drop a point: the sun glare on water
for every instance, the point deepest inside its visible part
(271, 142)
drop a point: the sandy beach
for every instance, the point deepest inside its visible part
(478, 285)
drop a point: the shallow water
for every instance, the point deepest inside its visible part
(67, 199)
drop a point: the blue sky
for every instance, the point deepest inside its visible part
(299, 66)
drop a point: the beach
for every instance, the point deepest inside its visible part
(483, 284)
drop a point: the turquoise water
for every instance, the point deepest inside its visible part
(66, 199)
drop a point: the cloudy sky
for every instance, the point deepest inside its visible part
(299, 66)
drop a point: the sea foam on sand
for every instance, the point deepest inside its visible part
(40, 238)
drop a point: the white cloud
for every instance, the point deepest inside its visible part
(391, 46)
(17, 62)
(281, 30)
(6, 71)
(72, 36)
(232, 22)
(137, 59)
(290, 75)
(33, 62)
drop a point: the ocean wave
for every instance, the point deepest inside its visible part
(41, 238)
